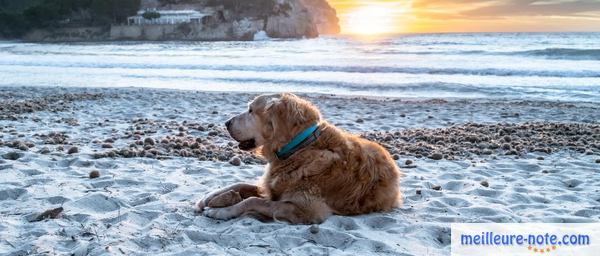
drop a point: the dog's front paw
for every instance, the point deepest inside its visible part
(199, 206)
(218, 199)
(221, 213)
(225, 199)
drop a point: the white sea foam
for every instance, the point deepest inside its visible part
(261, 36)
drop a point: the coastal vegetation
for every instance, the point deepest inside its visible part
(17, 17)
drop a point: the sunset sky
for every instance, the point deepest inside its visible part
(398, 16)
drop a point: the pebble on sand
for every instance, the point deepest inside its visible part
(73, 150)
(436, 156)
(485, 183)
(408, 162)
(396, 156)
(44, 150)
(48, 214)
(12, 155)
(149, 141)
(314, 229)
(107, 145)
(235, 161)
(360, 120)
(598, 161)
(94, 174)
(436, 187)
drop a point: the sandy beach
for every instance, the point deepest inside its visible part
(157, 151)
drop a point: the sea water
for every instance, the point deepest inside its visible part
(544, 66)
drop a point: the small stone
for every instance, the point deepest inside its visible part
(44, 150)
(544, 171)
(408, 162)
(73, 150)
(485, 183)
(212, 133)
(436, 156)
(94, 174)
(149, 141)
(418, 191)
(540, 158)
(360, 120)
(12, 155)
(215, 112)
(396, 156)
(436, 187)
(48, 214)
(314, 229)
(598, 161)
(236, 161)
(107, 145)
(507, 138)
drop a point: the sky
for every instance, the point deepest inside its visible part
(430, 16)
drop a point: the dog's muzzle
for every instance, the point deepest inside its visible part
(243, 145)
(247, 144)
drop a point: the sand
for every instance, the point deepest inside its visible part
(157, 151)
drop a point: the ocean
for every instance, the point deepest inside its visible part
(538, 66)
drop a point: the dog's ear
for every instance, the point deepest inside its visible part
(293, 111)
(271, 102)
(270, 111)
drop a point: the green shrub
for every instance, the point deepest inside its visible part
(150, 15)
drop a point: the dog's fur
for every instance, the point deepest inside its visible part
(339, 173)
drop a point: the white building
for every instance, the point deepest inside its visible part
(167, 17)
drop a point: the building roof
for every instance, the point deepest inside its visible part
(173, 12)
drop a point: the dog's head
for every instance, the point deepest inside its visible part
(272, 120)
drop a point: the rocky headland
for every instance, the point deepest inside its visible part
(210, 20)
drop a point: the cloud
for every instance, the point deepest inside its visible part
(487, 15)
(536, 8)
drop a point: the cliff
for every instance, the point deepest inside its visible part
(214, 20)
(323, 15)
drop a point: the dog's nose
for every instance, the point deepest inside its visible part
(227, 123)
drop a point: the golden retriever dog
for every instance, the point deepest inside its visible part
(314, 169)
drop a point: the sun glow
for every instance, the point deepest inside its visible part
(371, 20)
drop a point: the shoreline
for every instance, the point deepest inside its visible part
(324, 95)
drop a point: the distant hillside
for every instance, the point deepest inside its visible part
(83, 20)
(17, 17)
(16, 6)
